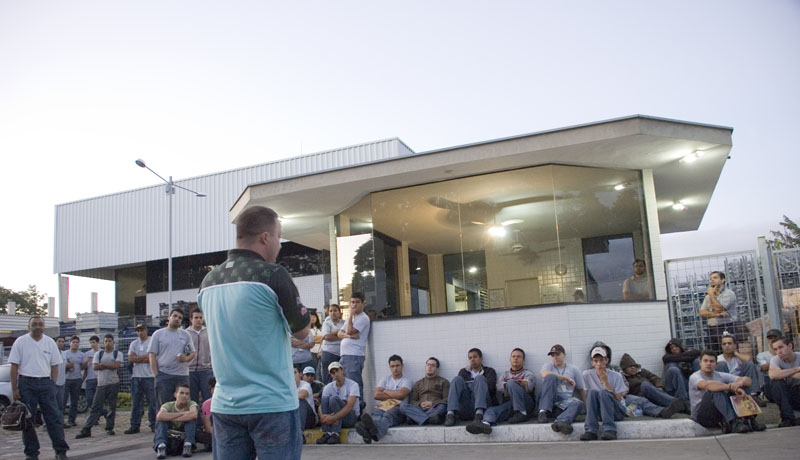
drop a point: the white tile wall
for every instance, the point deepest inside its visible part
(640, 329)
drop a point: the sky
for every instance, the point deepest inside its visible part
(197, 87)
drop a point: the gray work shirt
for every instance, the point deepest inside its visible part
(139, 348)
(167, 345)
(726, 298)
(107, 376)
(76, 358)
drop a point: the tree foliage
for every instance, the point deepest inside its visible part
(29, 301)
(788, 237)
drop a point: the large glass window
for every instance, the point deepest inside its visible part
(530, 236)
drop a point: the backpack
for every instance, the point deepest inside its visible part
(174, 442)
(16, 417)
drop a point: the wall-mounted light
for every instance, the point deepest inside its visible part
(679, 206)
(692, 157)
(619, 187)
(473, 269)
(497, 230)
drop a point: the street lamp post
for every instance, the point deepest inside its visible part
(170, 190)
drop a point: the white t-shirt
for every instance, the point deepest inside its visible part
(696, 394)
(35, 358)
(615, 381)
(391, 383)
(563, 389)
(733, 364)
(62, 369)
(349, 388)
(309, 397)
(328, 326)
(781, 364)
(139, 348)
(357, 347)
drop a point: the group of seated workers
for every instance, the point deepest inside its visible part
(183, 418)
(696, 383)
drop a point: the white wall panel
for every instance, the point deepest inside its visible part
(131, 227)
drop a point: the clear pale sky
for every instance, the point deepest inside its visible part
(196, 87)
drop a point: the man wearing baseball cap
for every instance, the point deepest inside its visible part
(310, 375)
(339, 406)
(763, 359)
(560, 381)
(142, 381)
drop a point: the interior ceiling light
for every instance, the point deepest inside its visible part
(473, 269)
(619, 187)
(679, 206)
(506, 223)
(692, 157)
(497, 230)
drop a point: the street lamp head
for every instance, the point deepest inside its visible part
(200, 195)
(140, 163)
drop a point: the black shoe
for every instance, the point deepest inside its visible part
(324, 438)
(675, 406)
(478, 416)
(787, 422)
(110, 432)
(334, 439)
(753, 424)
(69, 424)
(479, 428)
(517, 417)
(369, 424)
(562, 427)
(132, 430)
(543, 417)
(435, 420)
(589, 436)
(450, 420)
(61, 456)
(608, 435)
(740, 426)
(362, 431)
(83, 434)
(187, 450)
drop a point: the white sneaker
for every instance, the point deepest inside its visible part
(161, 451)
(187, 449)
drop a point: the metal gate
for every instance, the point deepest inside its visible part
(787, 276)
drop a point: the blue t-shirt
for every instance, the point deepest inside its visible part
(563, 389)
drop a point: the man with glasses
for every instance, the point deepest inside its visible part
(428, 402)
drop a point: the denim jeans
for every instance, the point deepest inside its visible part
(420, 415)
(787, 396)
(104, 394)
(165, 386)
(675, 384)
(465, 397)
(386, 419)
(332, 405)
(308, 419)
(268, 436)
(73, 392)
(655, 394)
(353, 365)
(745, 369)
(648, 407)
(327, 359)
(549, 398)
(198, 385)
(713, 409)
(61, 399)
(91, 388)
(142, 388)
(162, 429)
(601, 406)
(40, 392)
(518, 399)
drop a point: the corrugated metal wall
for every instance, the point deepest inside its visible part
(131, 227)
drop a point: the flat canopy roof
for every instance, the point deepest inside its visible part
(636, 142)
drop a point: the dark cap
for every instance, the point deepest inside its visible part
(774, 333)
(556, 349)
(140, 326)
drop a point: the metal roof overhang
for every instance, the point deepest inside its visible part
(637, 142)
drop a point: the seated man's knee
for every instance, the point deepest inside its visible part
(549, 378)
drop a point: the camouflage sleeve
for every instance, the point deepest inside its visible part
(294, 311)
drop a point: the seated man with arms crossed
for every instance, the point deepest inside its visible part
(428, 397)
(560, 381)
(763, 361)
(472, 391)
(739, 364)
(180, 415)
(516, 387)
(784, 375)
(709, 393)
(392, 391)
(339, 407)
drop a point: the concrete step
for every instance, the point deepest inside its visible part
(532, 432)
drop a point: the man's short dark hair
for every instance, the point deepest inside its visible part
(433, 359)
(61, 337)
(336, 306)
(254, 221)
(636, 261)
(708, 352)
(195, 310)
(212, 381)
(178, 310)
(359, 295)
(108, 336)
(476, 350)
(786, 339)
(395, 358)
(95, 338)
(721, 274)
(519, 350)
(75, 337)
(182, 385)
(728, 336)
(33, 318)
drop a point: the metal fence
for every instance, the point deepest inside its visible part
(787, 276)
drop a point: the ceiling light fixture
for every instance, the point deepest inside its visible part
(497, 230)
(506, 223)
(679, 206)
(692, 157)
(619, 187)
(473, 269)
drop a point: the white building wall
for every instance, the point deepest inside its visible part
(639, 329)
(132, 227)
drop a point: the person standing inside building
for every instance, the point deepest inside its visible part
(75, 374)
(251, 307)
(170, 352)
(331, 343)
(34, 362)
(200, 366)
(638, 286)
(142, 381)
(105, 362)
(354, 340)
(719, 307)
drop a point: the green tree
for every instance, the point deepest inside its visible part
(789, 237)
(29, 301)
